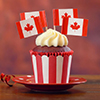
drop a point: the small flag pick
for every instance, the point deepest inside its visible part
(74, 26)
(29, 27)
(58, 15)
(41, 14)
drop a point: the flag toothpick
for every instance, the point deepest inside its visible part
(58, 15)
(33, 23)
(74, 26)
(54, 27)
(41, 14)
(29, 27)
(46, 28)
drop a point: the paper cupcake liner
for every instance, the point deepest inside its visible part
(51, 68)
(51, 53)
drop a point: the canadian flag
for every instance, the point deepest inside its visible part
(29, 27)
(74, 26)
(58, 15)
(41, 14)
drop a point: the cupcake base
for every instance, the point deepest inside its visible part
(51, 67)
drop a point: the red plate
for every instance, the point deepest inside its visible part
(28, 81)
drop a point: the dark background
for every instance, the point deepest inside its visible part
(14, 52)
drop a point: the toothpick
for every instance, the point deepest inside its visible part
(46, 28)
(54, 27)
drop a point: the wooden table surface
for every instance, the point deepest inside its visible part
(87, 91)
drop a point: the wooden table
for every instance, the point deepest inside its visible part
(88, 91)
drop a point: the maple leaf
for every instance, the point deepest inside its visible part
(32, 16)
(75, 26)
(28, 27)
(65, 15)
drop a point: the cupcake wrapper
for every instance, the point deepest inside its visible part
(52, 69)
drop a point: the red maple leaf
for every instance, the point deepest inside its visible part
(32, 16)
(75, 26)
(28, 27)
(65, 15)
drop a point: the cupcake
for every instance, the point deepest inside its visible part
(51, 58)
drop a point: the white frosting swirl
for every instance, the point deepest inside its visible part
(51, 38)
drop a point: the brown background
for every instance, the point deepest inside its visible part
(14, 52)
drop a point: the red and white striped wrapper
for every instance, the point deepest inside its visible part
(52, 68)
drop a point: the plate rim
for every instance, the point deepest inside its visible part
(28, 83)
